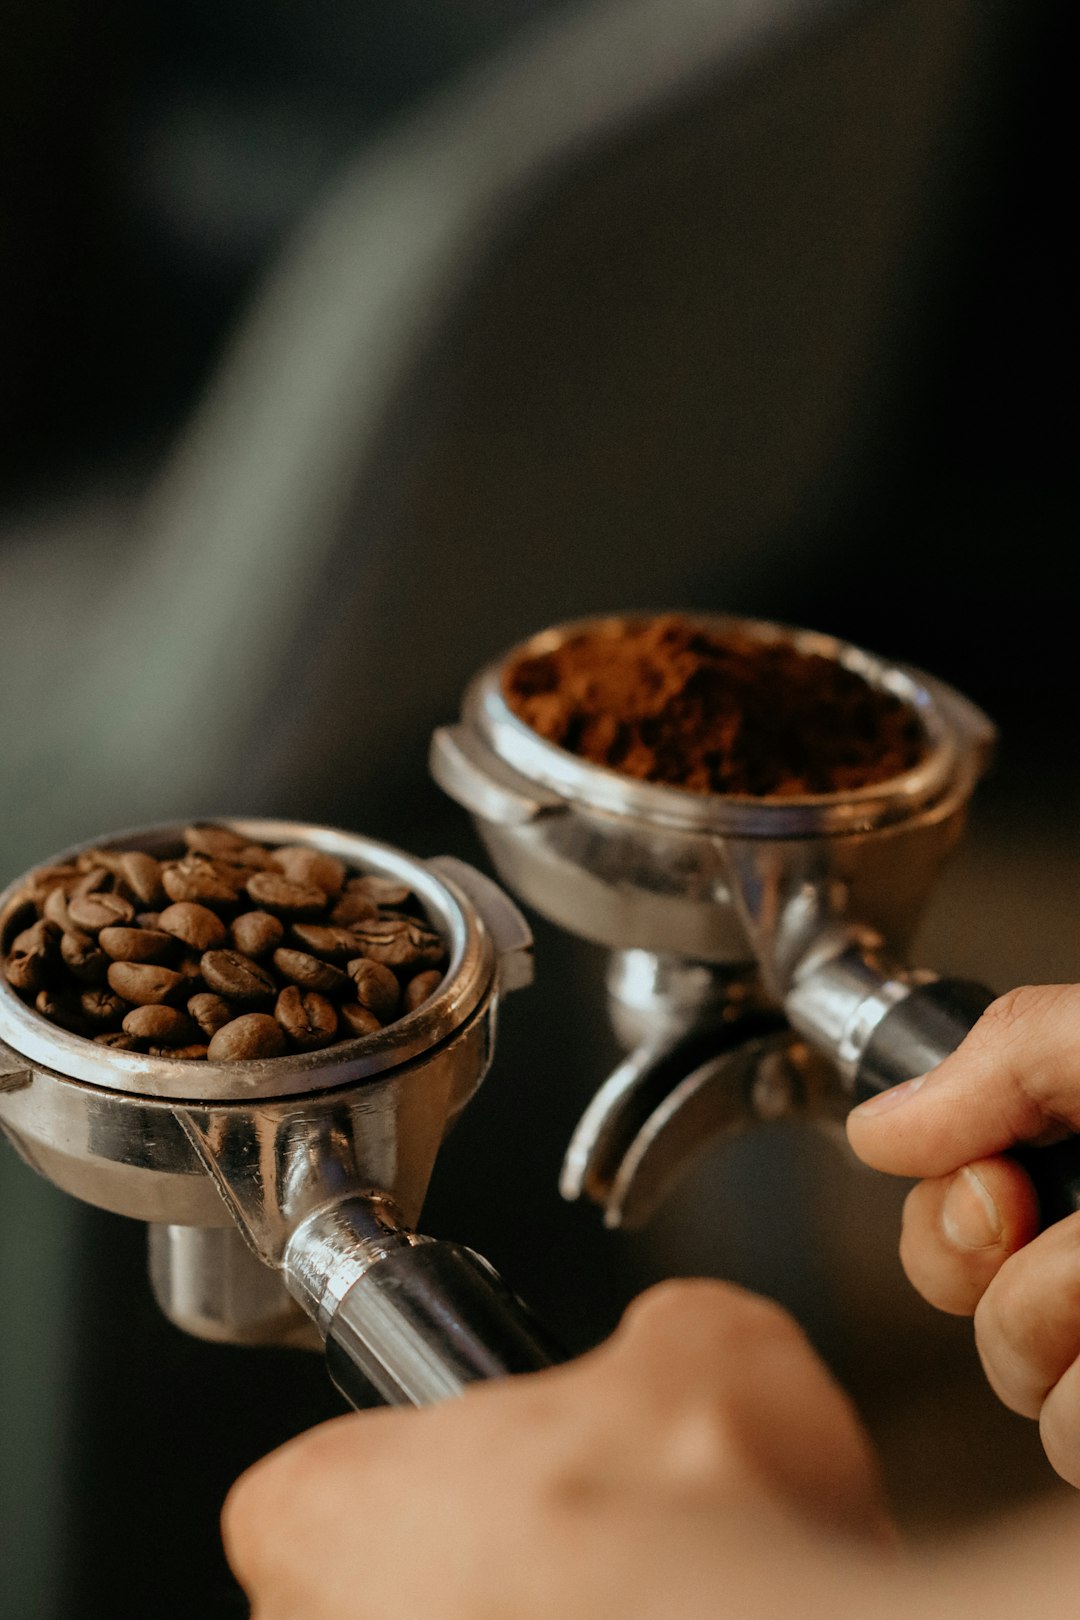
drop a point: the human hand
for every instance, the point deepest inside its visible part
(701, 1462)
(970, 1241)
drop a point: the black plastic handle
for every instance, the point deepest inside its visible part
(921, 1031)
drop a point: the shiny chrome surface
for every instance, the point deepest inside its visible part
(717, 909)
(415, 1318)
(658, 998)
(840, 996)
(631, 864)
(714, 1059)
(208, 1283)
(334, 1247)
(266, 1183)
(275, 1163)
(122, 1153)
(266, 1162)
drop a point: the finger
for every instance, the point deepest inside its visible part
(1027, 1325)
(261, 1515)
(959, 1230)
(1059, 1425)
(760, 1402)
(1014, 1075)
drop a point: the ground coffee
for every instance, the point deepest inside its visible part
(668, 700)
(231, 950)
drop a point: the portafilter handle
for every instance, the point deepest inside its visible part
(882, 1026)
(416, 1318)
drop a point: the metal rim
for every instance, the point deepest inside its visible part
(468, 978)
(605, 789)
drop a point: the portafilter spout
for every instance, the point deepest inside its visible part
(282, 1193)
(759, 944)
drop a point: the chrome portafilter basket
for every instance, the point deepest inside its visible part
(282, 1194)
(758, 946)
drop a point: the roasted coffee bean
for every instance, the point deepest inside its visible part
(277, 894)
(18, 913)
(257, 933)
(207, 838)
(32, 954)
(229, 872)
(95, 879)
(221, 844)
(83, 956)
(55, 908)
(148, 919)
(419, 989)
(102, 1006)
(118, 1040)
(165, 1026)
(311, 973)
(44, 879)
(374, 987)
(310, 868)
(24, 973)
(42, 939)
(307, 1018)
(198, 880)
(384, 891)
(236, 976)
(61, 1007)
(253, 1035)
(97, 910)
(240, 857)
(357, 1020)
(255, 857)
(399, 942)
(196, 925)
(335, 944)
(92, 860)
(211, 1012)
(144, 984)
(137, 944)
(142, 875)
(195, 1051)
(353, 907)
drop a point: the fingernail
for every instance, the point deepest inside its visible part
(891, 1098)
(969, 1215)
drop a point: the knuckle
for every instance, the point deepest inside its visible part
(1003, 1338)
(721, 1310)
(913, 1244)
(1010, 1016)
(1059, 1438)
(1005, 1012)
(241, 1516)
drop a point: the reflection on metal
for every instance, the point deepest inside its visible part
(720, 911)
(208, 1282)
(255, 1174)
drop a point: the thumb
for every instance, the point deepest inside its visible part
(1014, 1078)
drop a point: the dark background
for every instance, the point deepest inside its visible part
(154, 162)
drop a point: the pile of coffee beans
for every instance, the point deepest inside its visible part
(230, 950)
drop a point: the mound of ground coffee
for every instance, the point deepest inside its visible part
(230, 950)
(668, 700)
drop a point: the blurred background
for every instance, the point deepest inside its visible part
(342, 346)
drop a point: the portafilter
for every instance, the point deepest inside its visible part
(759, 945)
(282, 1193)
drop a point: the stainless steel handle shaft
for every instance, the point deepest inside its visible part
(414, 1318)
(427, 1321)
